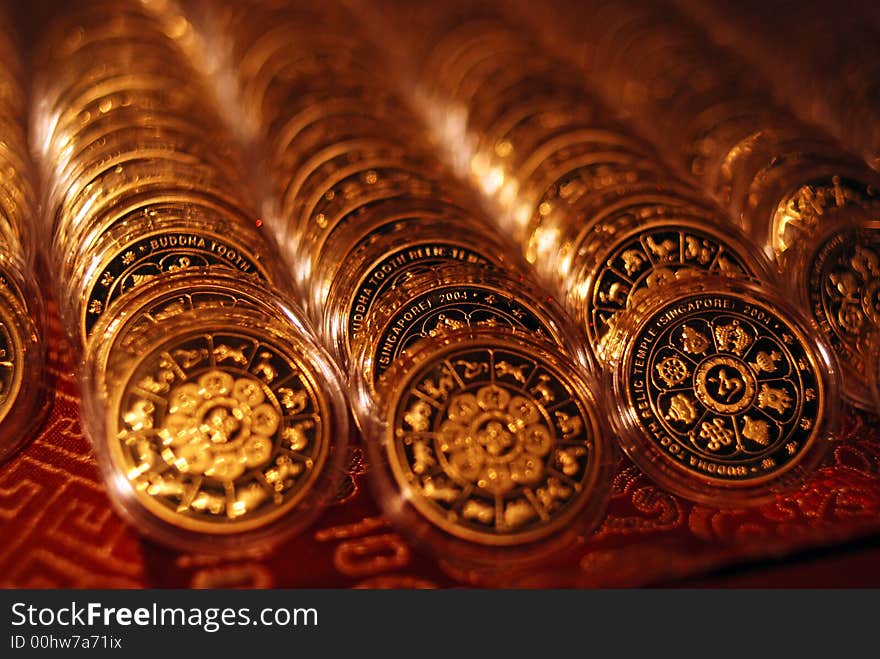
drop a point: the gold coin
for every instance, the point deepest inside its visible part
(221, 430)
(118, 338)
(304, 138)
(563, 148)
(24, 395)
(636, 255)
(121, 146)
(724, 395)
(79, 104)
(382, 260)
(352, 192)
(455, 44)
(462, 74)
(718, 134)
(450, 298)
(574, 197)
(137, 185)
(16, 210)
(11, 357)
(381, 275)
(838, 283)
(518, 128)
(494, 442)
(288, 99)
(298, 171)
(800, 212)
(290, 53)
(507, 73)
(151, 254)
(116, 171)
(331, 102)
(387, 223)
(95, 22)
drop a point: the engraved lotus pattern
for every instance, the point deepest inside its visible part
(218, 426)
(216, 430)
(725, 386)
(491, 445)
(495, 439)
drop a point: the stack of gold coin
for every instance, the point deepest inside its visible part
(794, 189)
(357, 199)
(24, 389)
(489, 450)
(614, 233)
(591, 206)
(138, 178)
(482, 423)
(825, 69)
(218, 421)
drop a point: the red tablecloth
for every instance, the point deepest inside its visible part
(57, 528)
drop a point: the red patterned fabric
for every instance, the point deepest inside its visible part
(58, 530)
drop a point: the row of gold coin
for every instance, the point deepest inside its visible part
(356, 195)
(720, 390)
(798, 193)
(217, 419)
(826, 68)
(220, 423)
(24, 390)
(483, 427)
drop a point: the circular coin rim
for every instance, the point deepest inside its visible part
(800, 263)
(703, 488)
(118, 459)
(587, 406)
(679, 220)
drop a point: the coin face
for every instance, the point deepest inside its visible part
(723, 388)
(843, 286)
(451, 307)
(153, 254)
(220, 432)
(493, 444)
(648, 258)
